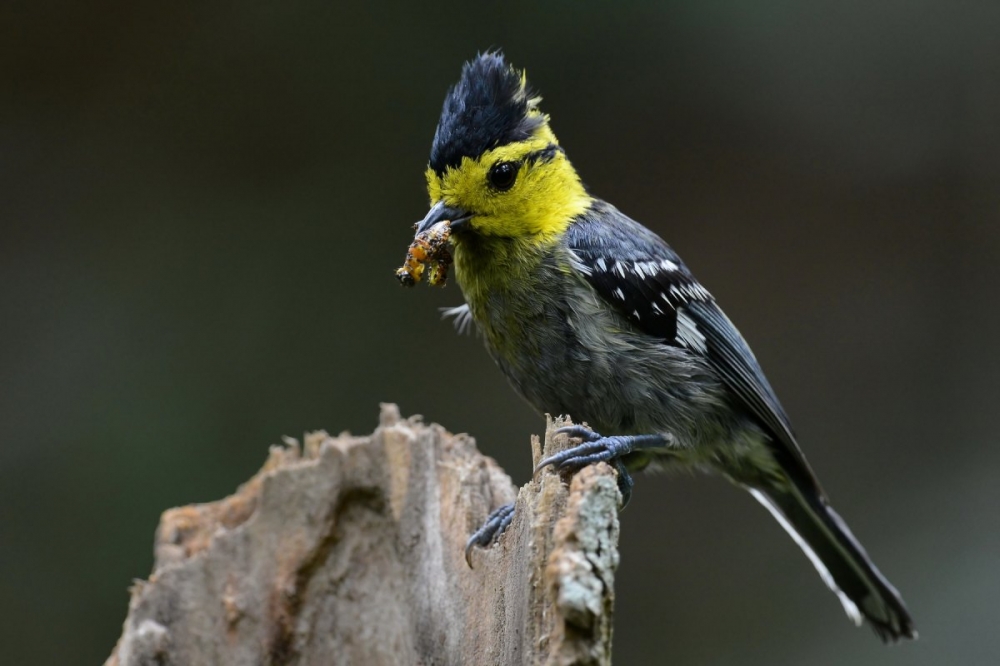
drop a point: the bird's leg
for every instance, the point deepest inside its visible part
(494, 526)
(595, 448)
(625, 482)
(598, 448)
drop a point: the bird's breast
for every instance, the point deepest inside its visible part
(506, 289)
(567, 351)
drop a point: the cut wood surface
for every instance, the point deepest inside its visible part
(350, 550)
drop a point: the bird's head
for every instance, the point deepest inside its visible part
(496, 169)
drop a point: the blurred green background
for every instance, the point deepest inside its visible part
(202, 205)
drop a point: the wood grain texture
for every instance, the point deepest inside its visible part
(350, 550)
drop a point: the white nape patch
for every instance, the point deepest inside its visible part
(602, 264)
(688, 333)
(462, 317)
(620, 294)
(849, 606)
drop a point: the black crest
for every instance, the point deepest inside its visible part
(488, 107)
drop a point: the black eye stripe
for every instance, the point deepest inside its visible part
(502, 175)
(545, 154)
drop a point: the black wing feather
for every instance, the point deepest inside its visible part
(730, 356)
(633, 269)
(649, 285)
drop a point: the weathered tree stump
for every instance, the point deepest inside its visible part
(350, 550)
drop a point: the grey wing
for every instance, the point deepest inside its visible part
(636, 272)
(728, 353)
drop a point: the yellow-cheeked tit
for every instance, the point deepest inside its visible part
(590, 314)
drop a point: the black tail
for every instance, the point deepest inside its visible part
(839, 558)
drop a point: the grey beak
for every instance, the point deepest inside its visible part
(439, 212)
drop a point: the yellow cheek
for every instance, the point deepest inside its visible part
(433, 185)
(541, 203)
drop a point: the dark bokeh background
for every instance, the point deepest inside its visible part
(201, 206)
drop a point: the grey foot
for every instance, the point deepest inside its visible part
(598, 448)
(494, 526)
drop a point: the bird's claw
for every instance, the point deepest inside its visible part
(580, 432)
(493, 527)
(595, 448)
(598, 448)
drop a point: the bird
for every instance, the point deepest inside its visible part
(588, 313)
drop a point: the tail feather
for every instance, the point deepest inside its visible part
(839, 558)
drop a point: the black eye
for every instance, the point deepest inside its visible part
(502, 175)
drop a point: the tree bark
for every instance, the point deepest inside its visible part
(350, 550)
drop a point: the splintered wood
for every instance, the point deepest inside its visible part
(350, 550)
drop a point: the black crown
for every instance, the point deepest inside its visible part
(488, 107)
